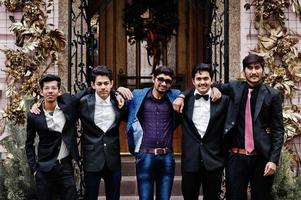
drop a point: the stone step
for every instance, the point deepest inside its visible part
(129, 190)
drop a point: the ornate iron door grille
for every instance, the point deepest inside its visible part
(218, 39)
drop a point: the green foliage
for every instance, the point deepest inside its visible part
(286, 185)
(2, 191)
(18, 183)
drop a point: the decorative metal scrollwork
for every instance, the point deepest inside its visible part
(218, 40)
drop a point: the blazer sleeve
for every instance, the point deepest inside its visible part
(81, 94)
(187, 92)
(224, 88)
(29, 144)
(277, 129)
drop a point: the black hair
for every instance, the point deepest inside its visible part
(252, 59)
(202, 67)
(48, 78)
(164, 70)
(101, 70)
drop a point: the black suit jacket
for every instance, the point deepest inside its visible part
(209, 149)
(267, 116)
(99, 148)
(50, 141)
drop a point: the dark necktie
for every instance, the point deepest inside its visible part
(198, 96)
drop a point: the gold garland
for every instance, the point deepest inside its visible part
(12, 5)
(38, 46)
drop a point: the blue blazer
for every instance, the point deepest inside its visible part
(134, 129)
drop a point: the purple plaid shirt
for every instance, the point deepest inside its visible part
(156, 117)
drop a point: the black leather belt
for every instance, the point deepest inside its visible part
(156, 151)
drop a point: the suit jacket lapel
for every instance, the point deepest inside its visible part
(64, 109)
(115, 107)
(239, 93)
(260, 97)
(91, 107)
(213, 106)
(42, 118)
(116, 111)
(190, 107)
(189, 113)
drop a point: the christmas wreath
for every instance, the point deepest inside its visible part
(153, 21)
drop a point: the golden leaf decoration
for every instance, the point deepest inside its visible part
(280, 51)
(39, 44)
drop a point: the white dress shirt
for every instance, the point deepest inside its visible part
(104, 115)
(56, 121)
(201, 113)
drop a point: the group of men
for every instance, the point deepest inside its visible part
(241, 130)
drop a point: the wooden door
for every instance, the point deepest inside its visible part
(129, 62)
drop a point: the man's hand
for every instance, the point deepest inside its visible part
(35, 108)
(216, 94)
(270, 169)
(178, 103)
(120, 100)
(125, 92)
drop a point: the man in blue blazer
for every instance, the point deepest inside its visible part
(151, 122)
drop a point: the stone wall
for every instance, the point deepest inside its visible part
(234, 40)
(63, 25)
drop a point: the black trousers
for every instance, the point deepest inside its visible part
(111, 179)
(57, 182)
(244, 169)
(210, 180)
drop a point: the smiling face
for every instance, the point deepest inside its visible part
(254, 74)
(162, 83)
(102, 86)
(202, 82)
(50, 91)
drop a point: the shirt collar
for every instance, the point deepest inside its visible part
(150, 95)
(101, 101)
(56, 108)
(197, 92)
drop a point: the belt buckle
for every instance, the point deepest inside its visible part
(160, 151)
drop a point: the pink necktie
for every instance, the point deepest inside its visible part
(249, 141)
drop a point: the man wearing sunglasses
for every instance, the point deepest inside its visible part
(151, 122)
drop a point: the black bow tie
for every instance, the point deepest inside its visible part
(198, 96)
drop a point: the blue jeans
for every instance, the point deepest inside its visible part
(155, 169)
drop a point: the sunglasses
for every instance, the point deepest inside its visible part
(167, 81)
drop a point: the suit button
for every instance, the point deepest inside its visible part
(105, 145)
(226, 130)
(232, 123)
